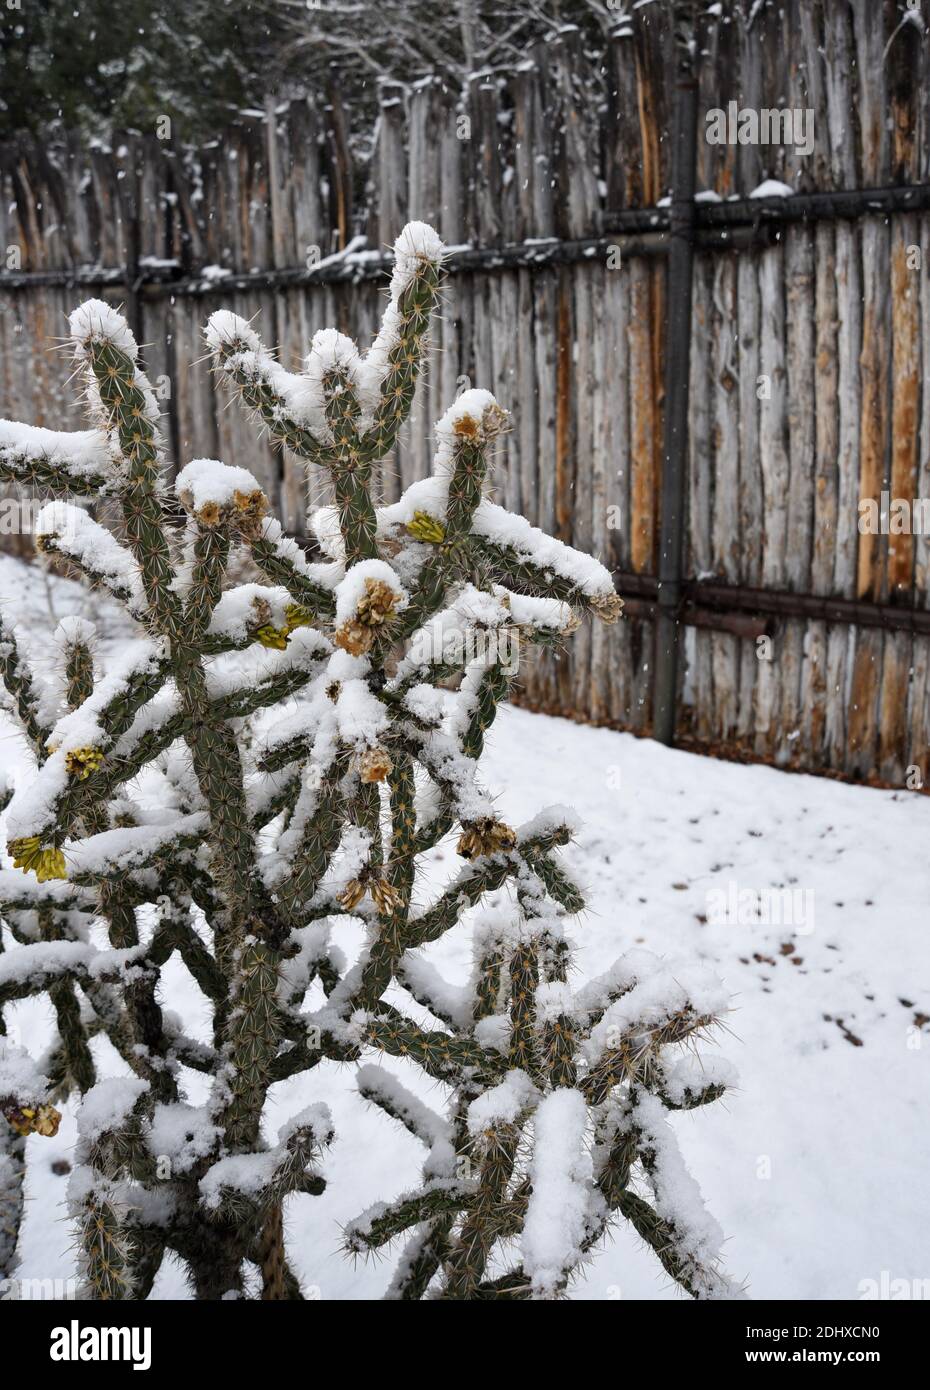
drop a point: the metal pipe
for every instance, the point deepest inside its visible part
(677, 371)
(165, 279)
(825, 206)
(738, 225)
(813, 607)
(744, 625)
(708, 596)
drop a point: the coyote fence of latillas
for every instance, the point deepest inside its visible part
(809, 346)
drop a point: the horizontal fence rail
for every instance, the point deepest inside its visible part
(738, 225)
(805, 639)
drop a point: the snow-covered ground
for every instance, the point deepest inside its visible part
(816, 1166)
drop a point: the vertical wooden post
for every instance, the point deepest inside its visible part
(130, 200)
(677, 367)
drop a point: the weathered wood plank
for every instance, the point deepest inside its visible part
(836, 321)
(774, 462)
(725, 532)
(699, 688)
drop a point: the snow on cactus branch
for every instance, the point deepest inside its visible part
(564, 1207)
(98, 323)
(24, 1110)
(118, 391)
(78, 463)
(341, 396)
(21, 1081)
(213, 492)
(261, 777)
(65, 530)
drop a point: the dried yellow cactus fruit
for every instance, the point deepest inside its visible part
(374, 765)
(377, 604)
(494, 421)
(354, 637)
(250, 509)
(376, 607)
(209, 514)
(466, 426)
(81, 762)
(608, 607)
(352, 894)
(385, 896)
(487, 836)
(38, 1119)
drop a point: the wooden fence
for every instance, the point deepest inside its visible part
(809, 355)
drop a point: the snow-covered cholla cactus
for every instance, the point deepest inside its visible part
(559, 1116)
(267, 763)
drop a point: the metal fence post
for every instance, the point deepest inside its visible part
(677, 364)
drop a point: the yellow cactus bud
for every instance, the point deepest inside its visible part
(272, 636)
(51, 864)
(28, 854)
(297, 616)
(81, 762)
(424, 527)
(23, 850)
